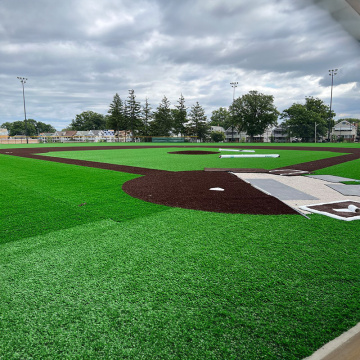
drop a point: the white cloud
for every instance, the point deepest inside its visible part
(78, 54)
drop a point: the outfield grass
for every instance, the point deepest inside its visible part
(349, 169)
(161, 159)
(121, 278)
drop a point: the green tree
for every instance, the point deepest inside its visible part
(301, 119)
(198, 125)
(132, 112)
(217, 136)
(117, 119)
(146, 118)
(44, 128)
(34, 128)
(162, 124)
(221, 117)
(180, 116)
(88, 120)
(6, 125)
(253, 113)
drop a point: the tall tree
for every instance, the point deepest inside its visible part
(146, 117)
(301, 119)
(133, 109)
(180, 116)
(221, 117)
(198, 125)
(162, 124)
(117, 119)
(254, 112)
(88, 120)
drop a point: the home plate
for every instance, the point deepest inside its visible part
(343, 210)
(217, 189)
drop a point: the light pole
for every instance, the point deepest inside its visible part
(132, 100)
(332, 73)
(234, 86)
(23, 81)
(316, 125)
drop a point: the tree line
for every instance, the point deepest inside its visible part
(30, 128)
(252, 113)
(141, 120)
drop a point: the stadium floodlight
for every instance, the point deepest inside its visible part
(23, 82)
(332, 73)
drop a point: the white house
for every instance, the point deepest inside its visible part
(232, 135)
(344, 130)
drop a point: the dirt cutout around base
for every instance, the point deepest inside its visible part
(191, 189)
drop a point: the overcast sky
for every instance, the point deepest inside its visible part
(77, 54)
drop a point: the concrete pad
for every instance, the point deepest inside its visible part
(344, 347)
(348, 190)
(280, 190)
(330, 178)
(312, 186)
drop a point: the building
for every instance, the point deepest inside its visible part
(3, 133)
(217, 128)
(232, 135)
(344, 130)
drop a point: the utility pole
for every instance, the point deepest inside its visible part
(332, 73)
(234, 86)
(23, 81)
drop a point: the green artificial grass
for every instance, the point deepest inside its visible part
(226, 287)
(349, 169)
(87, 272)
(161, 159)
(40, 196)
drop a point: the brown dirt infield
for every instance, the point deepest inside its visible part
(191, 189)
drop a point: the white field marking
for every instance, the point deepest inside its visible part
(217, 189)
(334, 216)
(250, 156)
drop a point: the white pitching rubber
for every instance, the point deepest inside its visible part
(250, 156)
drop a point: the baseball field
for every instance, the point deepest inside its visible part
(122, 252)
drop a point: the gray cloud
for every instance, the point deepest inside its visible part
(77, 54)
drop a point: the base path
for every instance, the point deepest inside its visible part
(191, 189)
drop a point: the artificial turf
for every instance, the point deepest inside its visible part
(40, 196)
(349, 169)
(121, 278)
(161, 159)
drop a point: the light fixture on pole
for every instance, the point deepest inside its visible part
(332, 73)
(234, 85)
(23, 81)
